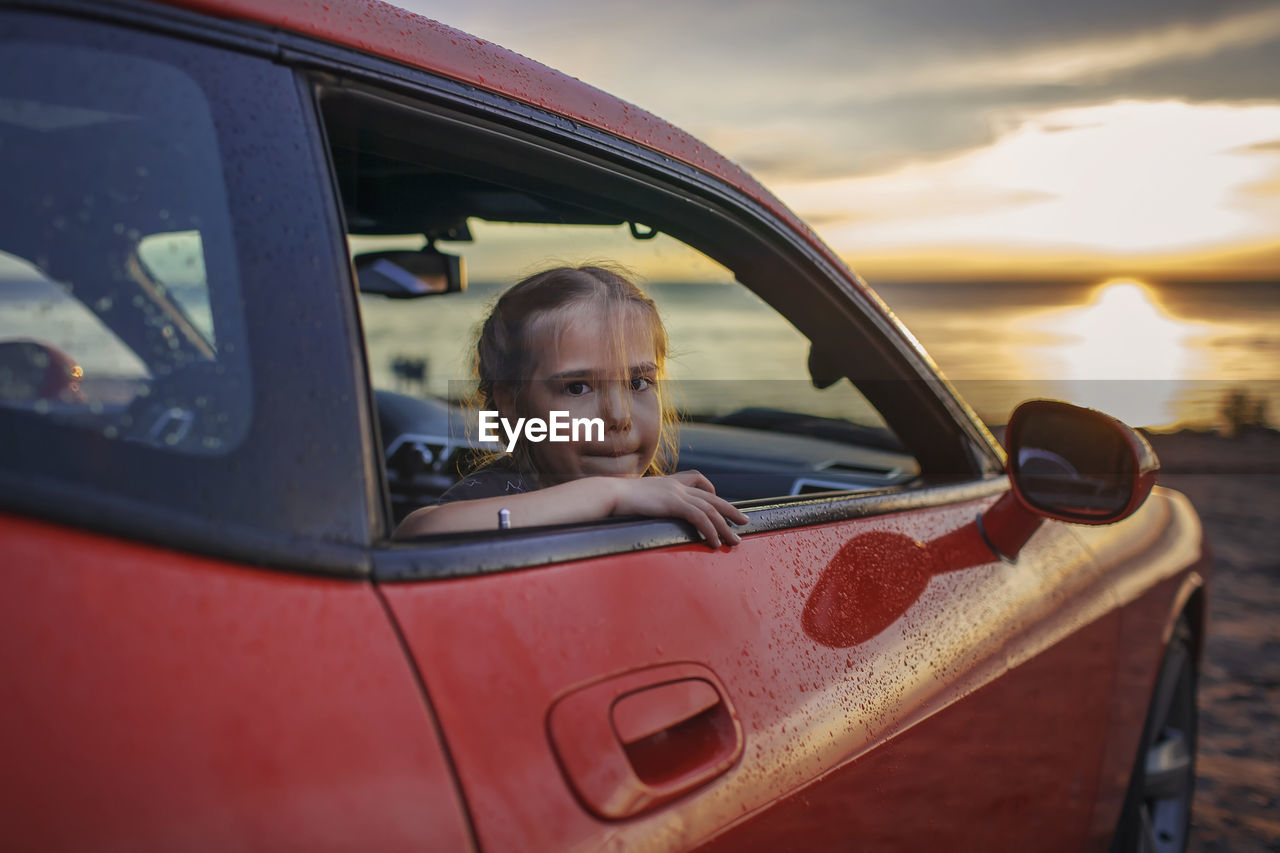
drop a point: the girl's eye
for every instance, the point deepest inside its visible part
(641, 383)
(576, 389)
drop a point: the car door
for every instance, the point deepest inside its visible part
(861, 669)
(972, 718)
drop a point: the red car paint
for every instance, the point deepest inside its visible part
(159, 701)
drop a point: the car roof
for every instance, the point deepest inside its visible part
(393, 33)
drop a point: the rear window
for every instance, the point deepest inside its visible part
(174, 307)
(120, 311)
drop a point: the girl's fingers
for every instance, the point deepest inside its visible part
(680, 497)
(726, 509)
(698, 517)
(696, 480)
(731, 512)
(713, 514)
(716, 513)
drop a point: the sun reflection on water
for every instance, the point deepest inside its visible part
(1125, 334)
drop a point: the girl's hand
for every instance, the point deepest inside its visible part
(687, 495)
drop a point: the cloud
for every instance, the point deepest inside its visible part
(1080, 61)
(1128, 178)
(675, 50)
(1267, 147)
(827, 87)
(1089, 130)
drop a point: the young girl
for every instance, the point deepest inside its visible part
(588, 342)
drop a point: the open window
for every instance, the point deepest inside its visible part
(774, 368)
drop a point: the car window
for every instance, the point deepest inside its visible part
(754, 417)
(114, 319)
(175, 334)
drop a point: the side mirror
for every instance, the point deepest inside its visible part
(1077, 464)
(1069, 463)
(409, 275)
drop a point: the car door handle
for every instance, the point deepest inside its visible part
(630, 742)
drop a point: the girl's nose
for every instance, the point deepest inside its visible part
(617, 409)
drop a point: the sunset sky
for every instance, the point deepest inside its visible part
(961, 138)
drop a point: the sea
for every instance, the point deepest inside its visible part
(1162, 355)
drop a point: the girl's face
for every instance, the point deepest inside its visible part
(593, 365)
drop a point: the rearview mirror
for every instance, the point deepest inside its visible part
(1077, 464)
(409, 275)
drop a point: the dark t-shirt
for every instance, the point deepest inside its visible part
(498, 478)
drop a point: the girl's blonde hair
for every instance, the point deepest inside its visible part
(507, 351)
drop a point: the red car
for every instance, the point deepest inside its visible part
(213, 418)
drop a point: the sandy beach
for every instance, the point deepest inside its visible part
(1235, 485)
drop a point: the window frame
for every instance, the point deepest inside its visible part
(550, 151)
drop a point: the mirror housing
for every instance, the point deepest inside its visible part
(1068, 463)
(409, 275)
(1076, 464)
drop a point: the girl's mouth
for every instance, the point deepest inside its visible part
(613, 463)
(611, 454)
